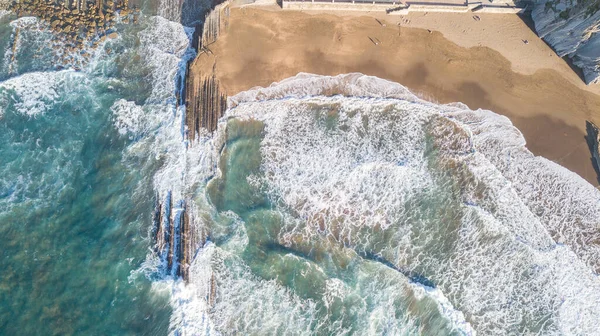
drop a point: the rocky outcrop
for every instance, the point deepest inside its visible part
(213, 22)
(205, 104)
(593, 140)
(205, 100)
(78, 23)
(175, 237)
(571, 27)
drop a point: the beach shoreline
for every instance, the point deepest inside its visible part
(442, 57)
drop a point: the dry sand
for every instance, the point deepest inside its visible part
(484, 64)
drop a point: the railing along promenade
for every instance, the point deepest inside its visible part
(402, 8)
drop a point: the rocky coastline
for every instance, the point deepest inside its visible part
(205, 100)
(77, 24)
(176, 234)
(571, 28)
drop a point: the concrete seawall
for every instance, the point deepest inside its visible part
(400, 8)
(342, 6)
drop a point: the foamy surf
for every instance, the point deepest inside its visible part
(33, 93)
(370, 192)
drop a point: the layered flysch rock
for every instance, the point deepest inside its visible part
(571, 27)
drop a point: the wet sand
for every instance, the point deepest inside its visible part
(484, 65)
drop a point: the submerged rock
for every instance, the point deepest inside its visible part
(571, 28)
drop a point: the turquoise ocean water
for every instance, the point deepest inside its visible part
(75, 200)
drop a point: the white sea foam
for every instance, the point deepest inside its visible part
(4, 13)
(26, 21)
(306, 85)
(504, 271)
(129, 117)
(224, 297)
(29, 37)
(446, 309)
(567, 205)
(315, 192)
(134, 120)
(34, 93)
(220, 302)
(165, 45)
(571, 206)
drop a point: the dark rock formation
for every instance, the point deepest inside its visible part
(571, 27)
(205, 104)
(174, 236)
(157, 234)
(204, 99)
(593, 140)
(211, 28)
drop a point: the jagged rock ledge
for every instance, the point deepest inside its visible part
(571, 28)
(176, 234)
(205, 104)
(205, 101)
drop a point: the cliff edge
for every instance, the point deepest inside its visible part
(571, 27)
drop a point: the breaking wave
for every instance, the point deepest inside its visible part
(36, 92)
(348, 205)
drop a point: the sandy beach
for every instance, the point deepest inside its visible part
(443, 57)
